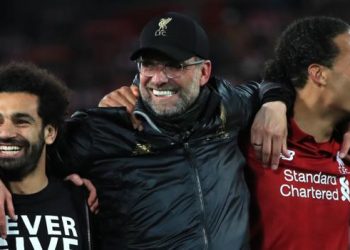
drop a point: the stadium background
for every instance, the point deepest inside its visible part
(87, 43)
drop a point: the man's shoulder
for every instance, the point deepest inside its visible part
(56, 190)
(106, 116)
(226, 88)
(106, 113)
(68, 191)
(63, 186)
(219, 83)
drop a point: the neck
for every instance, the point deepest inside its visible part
(33, 182)
(314, 114)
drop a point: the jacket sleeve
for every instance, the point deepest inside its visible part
(73, 151)
(91, 136)
(244, 100)
(273, 91)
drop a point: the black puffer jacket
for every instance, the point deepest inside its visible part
(162, 191)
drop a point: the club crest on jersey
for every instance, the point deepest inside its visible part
(344, 189)
(291, 156)
(341, 165)
(161, 31)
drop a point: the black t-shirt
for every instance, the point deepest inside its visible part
(47, 220)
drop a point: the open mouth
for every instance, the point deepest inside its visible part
(9, 150)
(163, 93)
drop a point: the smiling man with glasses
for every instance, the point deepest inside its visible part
(169, 87)
(178, 184)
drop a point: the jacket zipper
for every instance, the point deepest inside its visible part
(199, 193)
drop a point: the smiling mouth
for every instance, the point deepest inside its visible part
(9, 150)
(162, 93)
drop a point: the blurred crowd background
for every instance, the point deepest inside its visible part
(87, 43)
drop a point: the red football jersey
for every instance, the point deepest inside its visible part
(305, 204)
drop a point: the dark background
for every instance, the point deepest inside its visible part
(87, 43)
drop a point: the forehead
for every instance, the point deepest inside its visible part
(18, 102)
(158, 59)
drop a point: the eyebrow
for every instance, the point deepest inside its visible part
(23, 116)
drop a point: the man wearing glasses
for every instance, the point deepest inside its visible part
(187, 91)
(178, 183)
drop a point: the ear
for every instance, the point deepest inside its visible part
(317, 73)
(50, 133)
(206, 72)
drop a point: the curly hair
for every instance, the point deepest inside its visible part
(52, 93)
(305, 41)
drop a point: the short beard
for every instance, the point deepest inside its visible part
(17, 169)
(178, 109)
(185, 101)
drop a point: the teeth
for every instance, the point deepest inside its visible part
(10, 148)
(163, 92)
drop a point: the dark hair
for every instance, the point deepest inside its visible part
(52, 93)
(305, 41)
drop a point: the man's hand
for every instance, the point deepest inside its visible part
(123, 97)
(92, 198)
(5, 204)
(345, 148)
(269, 133)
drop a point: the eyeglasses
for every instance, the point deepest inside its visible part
(149, 68)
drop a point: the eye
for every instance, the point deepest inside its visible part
(175, 66)
(21, 122)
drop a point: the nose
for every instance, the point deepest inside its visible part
(159, 77)
(7, 130)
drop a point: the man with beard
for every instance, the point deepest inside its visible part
(178, 183)
(51, 214)
(292, 207)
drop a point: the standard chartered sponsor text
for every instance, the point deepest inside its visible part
(290, 190)
(326, 190)
(318, 178)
